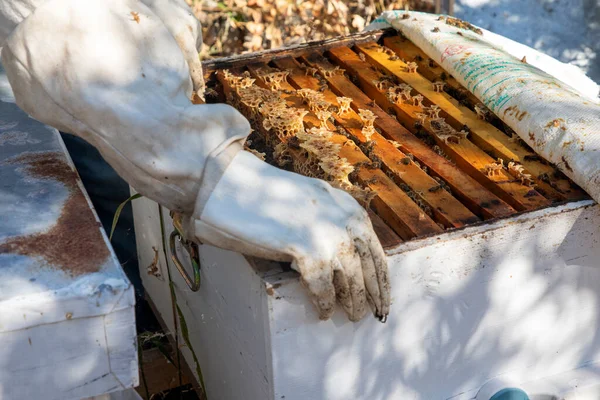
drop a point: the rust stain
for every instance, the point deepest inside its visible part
(135, 17)
(567, 166)
(75, 243)
(271, 289)
(522, 115)
(510, 109)
(514, 111)
(555, 123)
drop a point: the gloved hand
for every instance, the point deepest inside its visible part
(260, 210)
(120, 74)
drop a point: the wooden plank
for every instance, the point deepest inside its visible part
(431, 70)
(187, 374)
(242, 60)
(445, 208)
(159, 374)
(387, 237)
(483, 134)
(478, 199)
(465, 154)
(394, 206)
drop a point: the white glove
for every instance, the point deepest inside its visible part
(263, 211)
(120, 74)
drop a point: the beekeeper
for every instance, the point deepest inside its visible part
(120, 74)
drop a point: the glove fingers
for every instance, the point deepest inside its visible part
(342, 289)
(349, 264)
(381, 268)
(369, 274)
(318, 279)
(364, 233)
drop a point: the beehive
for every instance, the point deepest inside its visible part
(391, 127)
(492, 253)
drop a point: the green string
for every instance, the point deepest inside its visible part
(118, 213)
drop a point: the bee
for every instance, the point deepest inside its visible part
(135, 17)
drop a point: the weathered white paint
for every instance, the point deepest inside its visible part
(519, 296)
(62, 335)
(129, 394)
(227, 319)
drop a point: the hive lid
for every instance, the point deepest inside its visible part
(55, 259)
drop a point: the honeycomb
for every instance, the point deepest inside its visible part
(314, 100)
(343, 105)
(285, 122)
(517, 170)
(420, 168)
(433, 111)
(495, 168)
(273, 79)
(438, 86)
(411, 67)
(417, 100)
(323, 117)
(367, 118)
(399, 93)
(329, 72)
(445, 132)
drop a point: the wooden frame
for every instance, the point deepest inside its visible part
(424, 183)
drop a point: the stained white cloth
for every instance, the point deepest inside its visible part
(120, 74)
(552, 108)
(567, 73)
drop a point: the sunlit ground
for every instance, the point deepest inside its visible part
(568, 30)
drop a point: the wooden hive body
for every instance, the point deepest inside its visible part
(493, 276)
(425, 175)
(67, 317)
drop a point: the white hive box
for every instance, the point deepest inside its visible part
(67, 322)
(506, 287)
(518, 297)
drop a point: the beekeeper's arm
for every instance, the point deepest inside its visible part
(120, 74)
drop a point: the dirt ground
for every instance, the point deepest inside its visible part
(237, 26)
(564, 29)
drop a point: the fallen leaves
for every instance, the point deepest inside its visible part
(237, 26)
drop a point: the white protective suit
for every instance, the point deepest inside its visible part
(120, 74)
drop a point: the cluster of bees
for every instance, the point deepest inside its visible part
(312, 152)
(309, 152)
(398, 93)
(402, 93)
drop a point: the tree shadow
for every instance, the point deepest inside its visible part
(521, 300)
(567, 30)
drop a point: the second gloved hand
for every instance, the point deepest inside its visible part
(260, 210)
